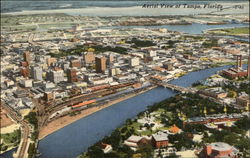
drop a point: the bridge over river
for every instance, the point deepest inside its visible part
(174, 87)
(193, 90)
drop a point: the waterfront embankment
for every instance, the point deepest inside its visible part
(66, 120)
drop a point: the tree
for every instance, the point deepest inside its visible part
(146, 151)
(95, 152)
(31, 117)
(126, 149)
(244, 123)
(124, 129)
(232, 94)
(147, 125)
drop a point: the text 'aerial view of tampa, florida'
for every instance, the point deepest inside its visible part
(125, 79)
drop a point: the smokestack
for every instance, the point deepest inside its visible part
(237, 62)
(241, 61)
(248, 67)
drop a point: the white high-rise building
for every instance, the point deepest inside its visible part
(56, 76)
(134, 62)
(37, 73)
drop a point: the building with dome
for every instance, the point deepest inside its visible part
(219, 150)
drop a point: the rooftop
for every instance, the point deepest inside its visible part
(220, 146)
(160, 136)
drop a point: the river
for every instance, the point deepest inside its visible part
(194, 28)
(75, 138)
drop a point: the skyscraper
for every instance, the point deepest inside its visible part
(37, 73)
(26, 57)
(71, 75)
(100, 64)
(89, 58)
(56, 75)
(24, 71)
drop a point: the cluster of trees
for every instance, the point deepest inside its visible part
(182, 140)
(117, 49)
(140, 43)
(32, 119)
(31, 150)
(171, 43)
(243, 87)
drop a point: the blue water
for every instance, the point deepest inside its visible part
(8, 154)
(75, 138)
(195, 28)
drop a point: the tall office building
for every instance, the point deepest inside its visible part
(24, 71)
(26, 57)
(100, 64)
(89, 57)
(56, 75)
(71, 75)
(36, 73)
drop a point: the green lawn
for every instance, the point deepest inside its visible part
(231, 31)
(201, 87)
(146, 132)
(237, 31)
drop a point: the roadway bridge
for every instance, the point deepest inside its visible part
(174, 87)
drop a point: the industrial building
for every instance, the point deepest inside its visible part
(238, 71)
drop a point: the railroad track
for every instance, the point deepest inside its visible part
(25, 132)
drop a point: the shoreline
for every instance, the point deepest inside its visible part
(67, 120)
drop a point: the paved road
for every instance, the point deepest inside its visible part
(25, 129)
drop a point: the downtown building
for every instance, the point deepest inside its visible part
(89, 57)
(71, 75)
(100, 64)
(37, 73)
(56, 75)
(26, 57)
